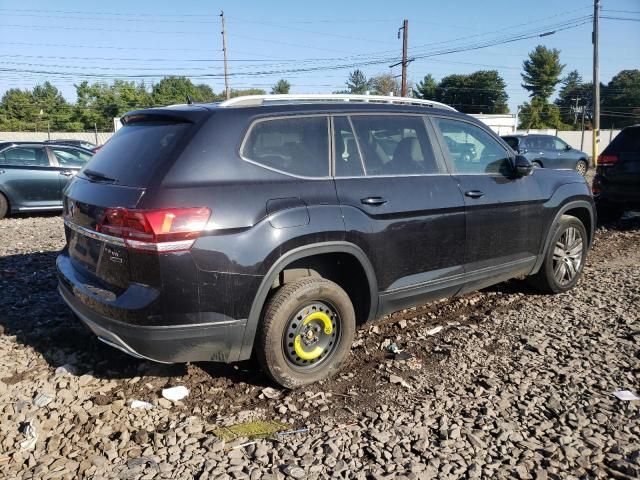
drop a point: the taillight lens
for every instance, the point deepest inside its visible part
(607, 159)
(166, 230)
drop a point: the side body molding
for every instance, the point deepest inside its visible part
(290, 257)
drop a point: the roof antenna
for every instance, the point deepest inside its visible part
(189, 100)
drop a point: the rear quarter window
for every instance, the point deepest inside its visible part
(296, 145)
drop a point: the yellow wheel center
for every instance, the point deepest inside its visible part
(316, 351)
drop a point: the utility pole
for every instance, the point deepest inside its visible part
(596, 81)
(575, 110)
(405, 61)
(227, 91)
(405, 39)
(582, 138)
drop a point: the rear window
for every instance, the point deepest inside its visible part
(133, 154)
(296, 145)
(628, 140)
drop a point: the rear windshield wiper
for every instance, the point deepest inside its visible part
(97, 176)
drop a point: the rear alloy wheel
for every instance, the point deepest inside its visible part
(306, 333)
(536, 164)
(581, 167)
(4, 206)
(564, 259)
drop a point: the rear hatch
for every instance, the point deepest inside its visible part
(110, 239)
(620, 161)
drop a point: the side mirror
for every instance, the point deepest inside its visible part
(567, 147)
(523, 166)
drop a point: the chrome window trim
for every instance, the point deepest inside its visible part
(283, 117)
(94, 235)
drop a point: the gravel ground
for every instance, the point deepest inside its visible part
(514, 385)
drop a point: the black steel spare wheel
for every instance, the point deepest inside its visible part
(306, 332)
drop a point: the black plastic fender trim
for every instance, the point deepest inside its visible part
(290, 257)
(567, 206)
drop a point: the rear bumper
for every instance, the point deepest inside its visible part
(218, 341)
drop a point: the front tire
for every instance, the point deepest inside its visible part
(4, 206)
(306, 333)
(564, 260)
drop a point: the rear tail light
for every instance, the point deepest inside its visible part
(162, 231)
(607, 159)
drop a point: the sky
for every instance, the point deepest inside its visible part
(313, 45)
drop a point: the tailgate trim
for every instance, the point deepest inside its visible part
(95, 235)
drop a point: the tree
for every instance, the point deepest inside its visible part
(539, 114)
(281, 87)
(18, 110)
(358, 83)
(247, 91)
(542, 72)
(426, 89)
(99, 103)
(621, 100)
(572, 88)
(385, 84)
(479, 92)
(176, 90)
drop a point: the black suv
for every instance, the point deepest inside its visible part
(616, 186)
(274, 225)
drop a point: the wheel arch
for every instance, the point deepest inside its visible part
(295, 257)
(583, 211)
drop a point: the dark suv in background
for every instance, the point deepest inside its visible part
(616, 185)
(548, 151)
(275, 224)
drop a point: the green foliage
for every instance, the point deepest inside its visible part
(542, 72)
(177, 90)
(357, 83)
(281, 87)
(98, 103)
(572, 88)
(479, 92)
(426, 89)
(540, 114)
(247, 91)
(621, 97)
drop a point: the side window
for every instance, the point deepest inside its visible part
(547, 143)
(559, 144)
(297, 145)
(471, 149)
(68, 157)
(347, 156)
(394, 144)
(26, 157)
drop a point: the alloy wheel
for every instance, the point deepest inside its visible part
(567, 256)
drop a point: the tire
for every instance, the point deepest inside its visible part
(536, 164)
(4, 206)
(546, 279)
(582, 167)
(608, 213)
(285, 329)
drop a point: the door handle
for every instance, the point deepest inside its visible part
(67, 173)
(373, 201)
(474, 194)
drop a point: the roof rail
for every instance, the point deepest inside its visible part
(257, 100)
